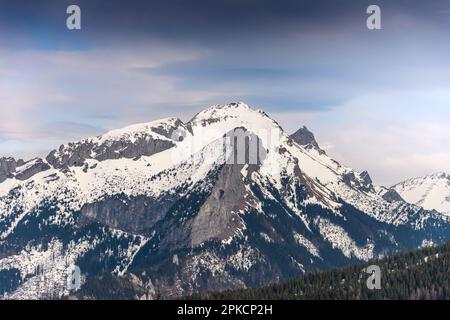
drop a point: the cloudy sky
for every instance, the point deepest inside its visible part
(376, 100)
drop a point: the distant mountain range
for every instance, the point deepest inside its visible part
(165, 209)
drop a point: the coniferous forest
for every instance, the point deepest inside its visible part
(417, 275)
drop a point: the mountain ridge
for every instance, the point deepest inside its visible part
(431, 192)
(226, 200)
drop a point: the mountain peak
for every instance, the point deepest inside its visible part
(306, 138)
(226, 117)
(8, 167)
(431, 192)
(230, 109)
(230, 105)
(150, 194)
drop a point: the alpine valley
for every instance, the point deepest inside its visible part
(157, 210)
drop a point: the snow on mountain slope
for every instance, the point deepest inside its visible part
(91, 178)
(78, 186)
(431, 192)
(159, 188)
(343, 181)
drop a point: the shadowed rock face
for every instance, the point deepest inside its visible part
(367, 184)
(218, 217)
(220, 225)
(361, 182)
(75, 154)
(306, 138)
(392, 196)
(213, 215)
(8, 167)
(131, 214)
(36, 166)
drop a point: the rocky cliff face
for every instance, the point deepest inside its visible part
(8, 168)
(227, 200)
(21, 170)
(133, 142)
(306, 138)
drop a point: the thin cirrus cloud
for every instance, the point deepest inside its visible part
(375, 99)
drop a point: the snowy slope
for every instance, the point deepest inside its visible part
(431, 192)
(110, 203)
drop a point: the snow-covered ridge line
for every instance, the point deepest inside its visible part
(431, 192)
(126, 156)
(149, 190)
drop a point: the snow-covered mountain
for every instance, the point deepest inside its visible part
(431, 192)
(167, 208)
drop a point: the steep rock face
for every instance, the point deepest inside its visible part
(279, 242)
(21, 170)
(229, 201)
(8, 167)
(362, 181)
(75, 154)
(390, 195)
(304, 137)
(218, 217)
(136, 214)
(30, 168)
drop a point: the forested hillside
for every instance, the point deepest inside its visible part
(418, 275)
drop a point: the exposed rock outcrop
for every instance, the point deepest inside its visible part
(21, 170)
(8, 167)
(392, 196)
(31, 168)
(306, 138)
(75, 154)
(361, 182)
